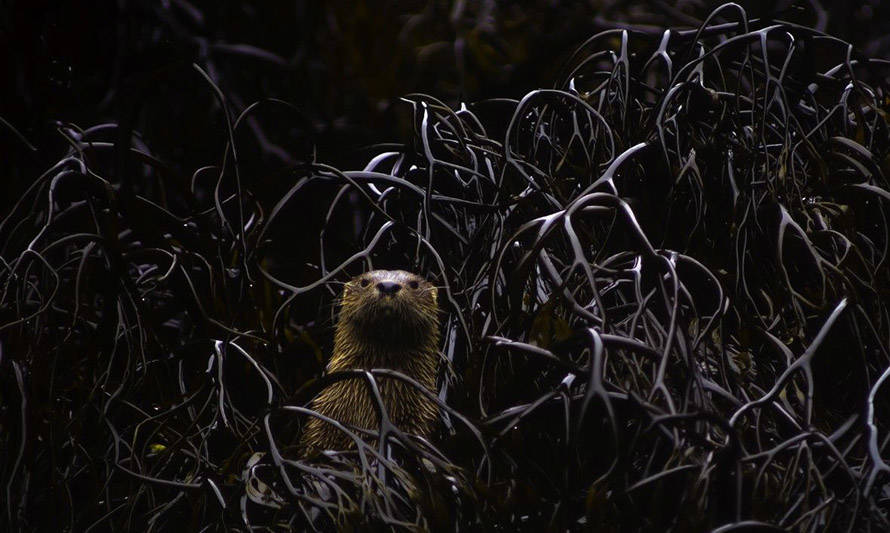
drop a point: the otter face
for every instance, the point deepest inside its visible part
(390, 306)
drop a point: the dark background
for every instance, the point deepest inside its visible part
(341, 65)
(328, 77)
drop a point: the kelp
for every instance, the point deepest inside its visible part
(664, 293)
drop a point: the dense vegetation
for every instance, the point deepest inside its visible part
(664, 280)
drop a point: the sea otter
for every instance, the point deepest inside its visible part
(388, 319)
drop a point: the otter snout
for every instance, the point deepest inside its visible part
(384, 301)
(389, 288)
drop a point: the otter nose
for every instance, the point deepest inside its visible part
(388, 287)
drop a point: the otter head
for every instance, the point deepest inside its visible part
(390, 307)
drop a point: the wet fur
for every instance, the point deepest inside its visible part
(399, 332)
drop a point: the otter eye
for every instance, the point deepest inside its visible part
(413, 284)
(364, 282)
